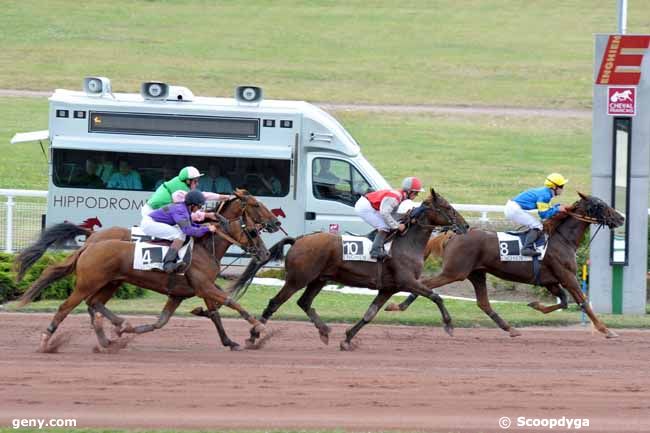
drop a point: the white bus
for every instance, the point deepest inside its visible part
(109, 151)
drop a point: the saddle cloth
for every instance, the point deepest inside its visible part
(357, 248)
(510, 247)
(149, 256)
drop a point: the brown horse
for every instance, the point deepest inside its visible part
(243, 205)
(472, 255)
(315, 259)
(102, 267)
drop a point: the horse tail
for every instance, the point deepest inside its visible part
(436, 245)
(58, 233)
(276, 252)
(51, 274)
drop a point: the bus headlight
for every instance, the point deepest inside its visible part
(97, 86)
(154, 90)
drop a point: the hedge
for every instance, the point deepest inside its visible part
(10, 290)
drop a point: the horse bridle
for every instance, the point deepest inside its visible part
(251, 233)
(454, 226)
(586, 219)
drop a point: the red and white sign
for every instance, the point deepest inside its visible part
(621, 63)
(621, 101)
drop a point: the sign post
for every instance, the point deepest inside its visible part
(620, 168)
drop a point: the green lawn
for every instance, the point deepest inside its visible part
(490, 52)
(348, 308)
(477, 159)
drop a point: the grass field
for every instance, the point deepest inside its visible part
(477, 159)
(489, 52)
(348, 308)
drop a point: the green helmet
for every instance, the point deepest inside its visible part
(188, 173)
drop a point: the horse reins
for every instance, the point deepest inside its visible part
(585, 219)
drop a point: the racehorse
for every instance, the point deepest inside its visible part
(471, 255)
(315, 259)
(243, 231)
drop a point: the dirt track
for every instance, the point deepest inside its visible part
(401, 378)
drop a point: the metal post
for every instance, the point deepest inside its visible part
(10, 224)
(622, 16)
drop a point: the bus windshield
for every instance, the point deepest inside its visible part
(72, 168)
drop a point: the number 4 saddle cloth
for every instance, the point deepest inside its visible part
(148, 256)
(511, 244)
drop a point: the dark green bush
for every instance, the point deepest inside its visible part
(61, 289)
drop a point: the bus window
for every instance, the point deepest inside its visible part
(144, 172)
(333, 179)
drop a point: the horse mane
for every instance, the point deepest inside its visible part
(551, 224)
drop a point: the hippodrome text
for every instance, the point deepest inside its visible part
(90, 202)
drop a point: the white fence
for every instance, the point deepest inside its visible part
(22, 212)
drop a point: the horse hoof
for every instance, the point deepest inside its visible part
(514, 333)
(198, 311)
(234, 347)
(250, 344)
(449, 329)
(534, 305)
(392, 307)
(611, 334)
(347, 346)
(325, 338)
(126, 327)
(259, 328)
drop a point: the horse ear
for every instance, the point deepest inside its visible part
(583, 196)
(433, 193)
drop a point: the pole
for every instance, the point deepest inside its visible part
(583, 287)
(622, 16)
(10, 224)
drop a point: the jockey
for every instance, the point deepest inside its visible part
(177, 219)
(539, 199)
(376, 208)
(174, 191)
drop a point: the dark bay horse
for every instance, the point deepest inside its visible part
(472, 255)
(102, 266)
(316, 259)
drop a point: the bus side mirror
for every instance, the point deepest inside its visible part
(97, 86)
(249, 94)
(154, 90)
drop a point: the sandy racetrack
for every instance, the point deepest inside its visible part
(401, 378)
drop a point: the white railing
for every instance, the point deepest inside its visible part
(12, 208)
(24, 217)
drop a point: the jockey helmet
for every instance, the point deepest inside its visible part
(188, 173)
(554, 180)
(194, 197)
(412, 184)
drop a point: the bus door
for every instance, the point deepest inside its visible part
(335, 185)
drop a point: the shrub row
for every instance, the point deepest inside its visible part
(10, 290)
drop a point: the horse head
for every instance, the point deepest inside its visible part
(259, 214)
(596, 211)
(438, 212)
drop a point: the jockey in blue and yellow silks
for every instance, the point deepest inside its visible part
(536, 199)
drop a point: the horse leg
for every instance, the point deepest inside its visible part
(402, 306)
(97, 310)
(305, 302)
(167, 312)
(572, 285)
(557, 291)
(75, 298)
(418, 288)
(213, 314)
(376, 304)
(276, 302)
(477, 279)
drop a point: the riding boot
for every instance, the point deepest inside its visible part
(377, 251)
(529, 243)
(169, 262)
